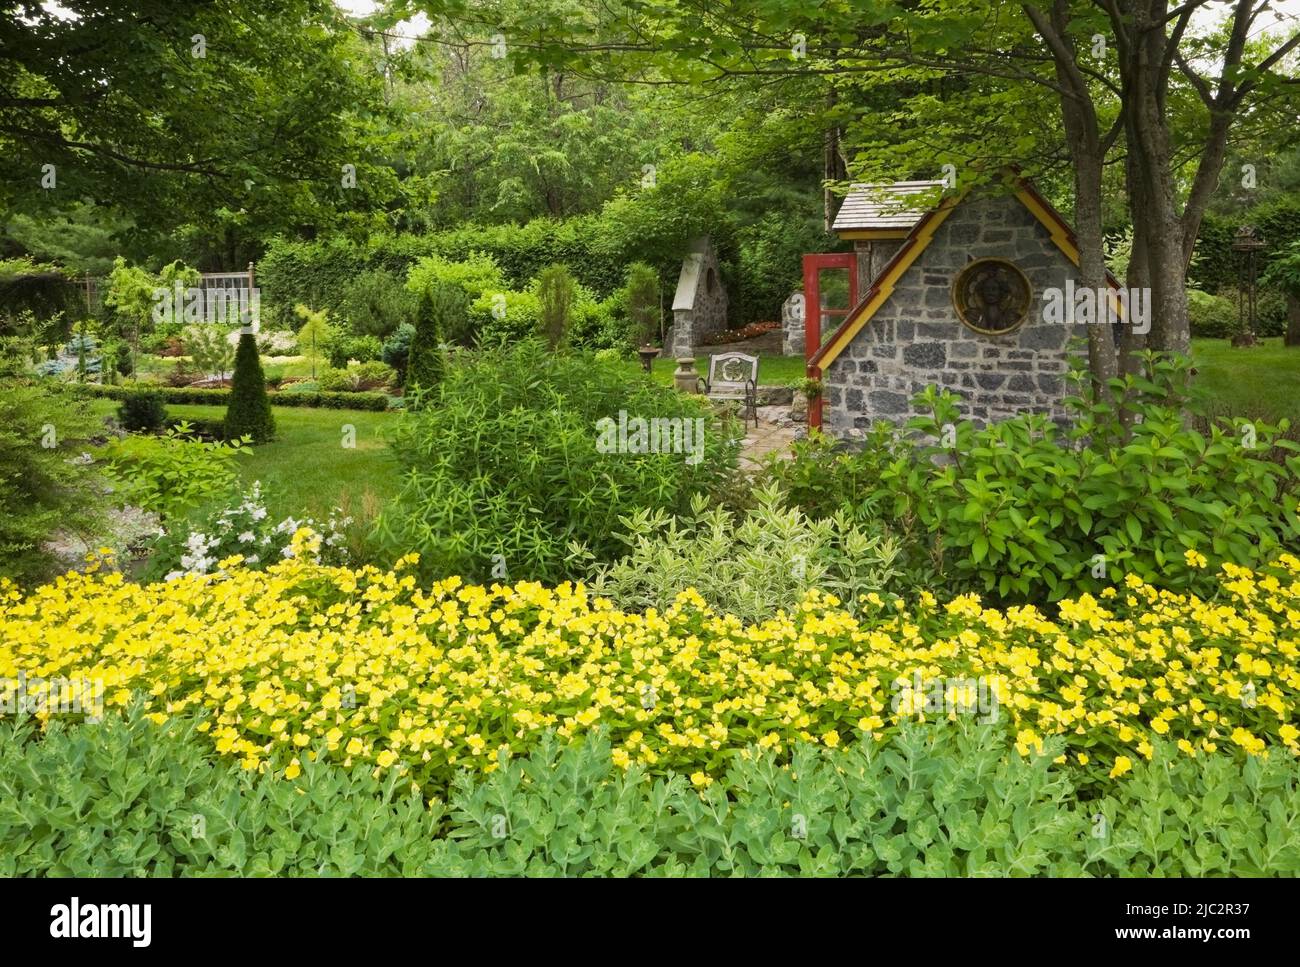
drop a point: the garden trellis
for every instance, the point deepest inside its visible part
(218, 289)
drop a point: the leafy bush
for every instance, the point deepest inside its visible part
(504, 317)
(143, 412)
(476, 274)
(642, 301)
(43, 487)
(186, 395)
(375, 303)
(397, 350)
(364, 377)
(935, 801)
(1211, 316)
(243, 528)
(504, 462)
(769, 261)
(751, 567)
(822, 476)
(172, 473)
(248, 415)
(340, 347)
(162, 808)
(1270, 310)
(1023, 508)
(316, 335)
(208, 347)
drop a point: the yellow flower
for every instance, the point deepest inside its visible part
(1123, 764)
(293, 771)
(1194, 558)
(386, 758)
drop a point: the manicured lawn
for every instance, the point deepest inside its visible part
(306, 469)
(1260, 382)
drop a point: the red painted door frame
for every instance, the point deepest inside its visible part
(813, 311)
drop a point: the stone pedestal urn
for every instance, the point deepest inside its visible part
(684, 377)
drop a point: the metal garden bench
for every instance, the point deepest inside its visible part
(733, 376)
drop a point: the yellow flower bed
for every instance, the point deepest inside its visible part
(377, 670)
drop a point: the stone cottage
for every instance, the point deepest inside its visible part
(954, 296)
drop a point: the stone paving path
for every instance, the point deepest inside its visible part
(775, 432)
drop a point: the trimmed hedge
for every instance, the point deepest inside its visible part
(185, 395)
(1217, 266)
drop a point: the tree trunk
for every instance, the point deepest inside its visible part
(1292, 319)
(831, 167)
(1156, 201)
(1079, 118)
(1137, 279)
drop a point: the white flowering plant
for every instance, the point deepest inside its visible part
(245, 529)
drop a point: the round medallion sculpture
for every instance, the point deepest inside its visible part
(992, 296)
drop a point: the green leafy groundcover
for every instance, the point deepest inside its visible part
(126, 797)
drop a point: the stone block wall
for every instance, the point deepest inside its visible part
(700, 303)
(916, 338)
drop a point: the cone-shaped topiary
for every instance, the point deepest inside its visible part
(249, 412)
(441, 306)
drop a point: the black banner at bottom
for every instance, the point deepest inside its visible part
(342, 917)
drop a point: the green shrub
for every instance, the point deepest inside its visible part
(340, 347)
(474, 275)
(504, 317)
(316, 335)
(751, 566)
(363, 377)
(143, 412)
(397, 350)
(43, 428)
(1024, 509)
(1211, 316)
(128, 798)
(643, 303)
(769, 261)
(374, 304)
(822, 476)
(208, 347)
(1270, 310)
(557, 294)
(172, 474)
(942, 800)
(248, 414)
(505, 462)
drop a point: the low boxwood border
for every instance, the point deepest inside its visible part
(182, 395)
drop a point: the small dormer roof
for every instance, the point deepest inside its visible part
(884, 208)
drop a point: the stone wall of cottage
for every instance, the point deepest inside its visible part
(916, 338)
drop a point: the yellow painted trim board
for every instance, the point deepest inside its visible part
(1061, 236)
(884, 287)
(891, 234)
